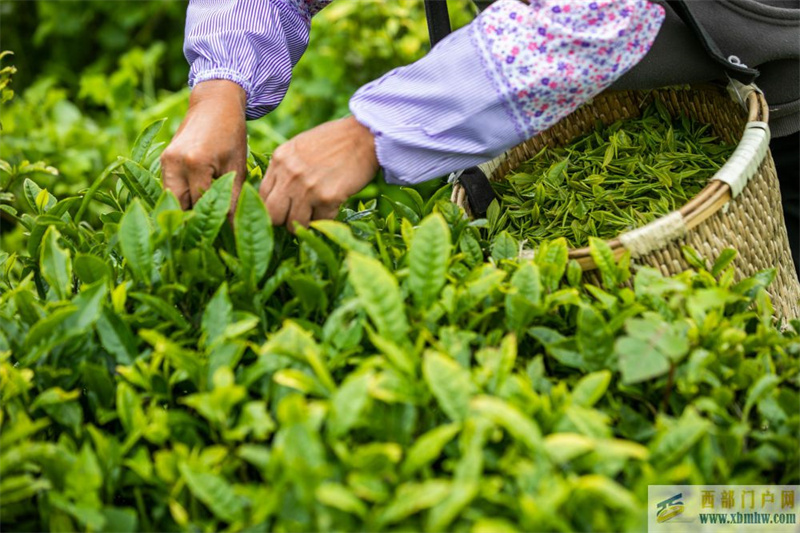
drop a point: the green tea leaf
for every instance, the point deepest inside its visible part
(379, 293)
(348, 402)
(521, 427)
(450, 383)
(116, 337)
(90, 268)
(591, 388)
(427, 259)
(342, 235)
(504, 247)
(725, 258)
(604, 259)
(140, 182)
(217, 315)
(552, 260)
(216, 493)
(145, 139)
(210, 211)
(428, 447)
(412, 498)
(135, 241)
(254, 239)
(340, 497)
(56, 266)
(565, 447)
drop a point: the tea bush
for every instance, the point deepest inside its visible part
(163, 370)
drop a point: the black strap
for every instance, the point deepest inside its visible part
(736, 71)
(438, 20)
(479, 191)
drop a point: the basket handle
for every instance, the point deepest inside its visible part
(642, 241)
(743, 164)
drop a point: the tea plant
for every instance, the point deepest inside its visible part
(166, 371)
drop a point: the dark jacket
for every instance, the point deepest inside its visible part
(763, 34)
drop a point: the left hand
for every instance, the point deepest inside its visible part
(311, 175)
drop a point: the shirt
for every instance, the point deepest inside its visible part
(517, 69)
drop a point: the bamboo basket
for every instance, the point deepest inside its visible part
(739, 208)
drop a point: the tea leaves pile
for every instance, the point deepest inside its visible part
(609, 181)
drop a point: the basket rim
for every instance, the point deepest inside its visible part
(713, 197)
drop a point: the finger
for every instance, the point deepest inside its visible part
(238, 181)
(175, 181)
(267, 184)
(199, 178)
(300, 214)
(279, 205)
(326, 212)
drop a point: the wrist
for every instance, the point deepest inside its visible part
(220, 92)
(366, 139)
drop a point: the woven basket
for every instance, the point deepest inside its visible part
(739, 208)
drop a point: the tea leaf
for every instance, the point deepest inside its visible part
(217, 315)
(428, 447)
(215, 493)
(56, 265)
(135, 241)
(412, 498)
(504, 247)
(90, 268)
(428, 256)
(591, 388)
(340, 497)
(450, 383)
(604, 259)
(145, 139)
(379, 293)
(210, 211)
(140, 182)
(254, 239)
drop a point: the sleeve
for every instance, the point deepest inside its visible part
(254, 43)
(513, 72)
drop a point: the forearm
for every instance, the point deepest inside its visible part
(253, 43)
(512, 73)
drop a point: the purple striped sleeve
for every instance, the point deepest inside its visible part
(254, 43)
(513, 72)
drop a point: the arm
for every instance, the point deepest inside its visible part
(513, 72)
(241, 54)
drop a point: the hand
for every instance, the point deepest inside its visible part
(211, 141)
(311, 175)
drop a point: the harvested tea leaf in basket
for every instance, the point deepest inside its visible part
(609, 181)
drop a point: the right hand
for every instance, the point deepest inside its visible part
(211, 141)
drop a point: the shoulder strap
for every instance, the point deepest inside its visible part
(438, 20)
(733, 66)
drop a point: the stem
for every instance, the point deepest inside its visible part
(87, 198)
(670, 383)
